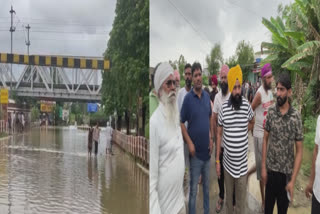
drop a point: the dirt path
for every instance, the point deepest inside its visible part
(300, 205)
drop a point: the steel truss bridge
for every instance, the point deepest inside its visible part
(54, 77)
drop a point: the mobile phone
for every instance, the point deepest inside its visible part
(288, 195)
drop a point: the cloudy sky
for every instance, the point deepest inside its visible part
(191, 28)
(61, 27)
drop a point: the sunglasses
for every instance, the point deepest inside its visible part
(171, 82)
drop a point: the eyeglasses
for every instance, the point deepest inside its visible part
(170, 83)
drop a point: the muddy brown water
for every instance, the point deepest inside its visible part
(49, 171)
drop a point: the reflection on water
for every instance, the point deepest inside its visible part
(49, 171)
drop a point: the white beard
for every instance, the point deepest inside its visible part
(170, 107)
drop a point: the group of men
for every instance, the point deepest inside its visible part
(94, 136)
(16, 122)
(188, 126)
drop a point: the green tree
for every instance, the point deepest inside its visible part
(295, 47)
(179, 64)
(245, 57)
(128, 50)
(215, 59)
(232, 61)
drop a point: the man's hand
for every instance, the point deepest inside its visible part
(264, 175)
(192, 150)
(289, 188)
(308, 190)
(210, 146)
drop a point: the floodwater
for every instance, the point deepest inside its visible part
(49, 171)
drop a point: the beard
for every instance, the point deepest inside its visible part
(170, 107)
(266, 86)
(188, 83)
(236, 101)
(281, 101)
(224, 88)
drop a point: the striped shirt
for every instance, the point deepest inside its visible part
(235, 136)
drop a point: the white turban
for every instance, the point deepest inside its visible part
(163, 71)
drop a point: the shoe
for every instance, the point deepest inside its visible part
(219, 205)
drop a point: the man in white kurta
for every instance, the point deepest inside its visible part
(166, 148)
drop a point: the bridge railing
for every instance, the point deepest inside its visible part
(137, 146)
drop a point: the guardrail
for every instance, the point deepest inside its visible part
(137, 146)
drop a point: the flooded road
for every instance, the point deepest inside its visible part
(49, 171)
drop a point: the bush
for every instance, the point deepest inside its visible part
(99, 117)
(310, 123)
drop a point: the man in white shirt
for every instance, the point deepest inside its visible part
(314, 181)
(219, 99)
(109, 131)
(260, 105)
(166, 148)
(183, 91)
(13, 122)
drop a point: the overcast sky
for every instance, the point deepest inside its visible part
(60, 27)
(191, 28)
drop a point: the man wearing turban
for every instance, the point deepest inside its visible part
(260, 105)
(166, 148)
(214, 85)
(234, 121)
(220, 98)
(177, 78)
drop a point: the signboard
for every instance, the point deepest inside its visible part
(46, 106)
(4, 97)
(92, 107)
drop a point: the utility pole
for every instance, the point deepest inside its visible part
(28, 40)
(12, 29)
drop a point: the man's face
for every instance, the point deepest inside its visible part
(197, 79)
(224, 78)
(188, 76)
(214, 87)
(267, 81)
(282, 94)
(169, 86)
(224, 83)
(236, 92)
(236, 98)
(177, 83)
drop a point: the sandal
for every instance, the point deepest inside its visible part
(219, 203)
